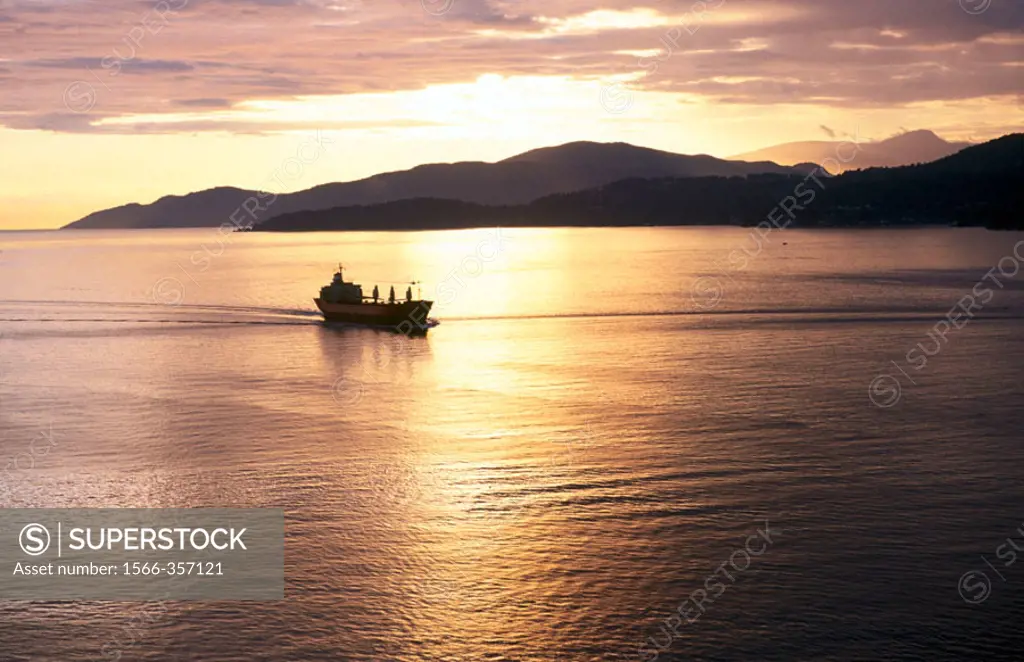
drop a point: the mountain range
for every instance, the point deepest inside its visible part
(516, 180)
(907, 148)
(979, 185)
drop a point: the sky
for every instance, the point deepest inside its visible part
(106, 102)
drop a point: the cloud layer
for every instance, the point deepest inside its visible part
(86, 65)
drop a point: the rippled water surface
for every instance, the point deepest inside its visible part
(603, 420)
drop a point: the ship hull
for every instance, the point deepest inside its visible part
(404, 316)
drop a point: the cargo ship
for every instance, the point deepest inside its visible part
(344, 302)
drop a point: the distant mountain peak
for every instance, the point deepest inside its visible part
(918, 137)
(582, 149)
(917, 132)
(907, 148)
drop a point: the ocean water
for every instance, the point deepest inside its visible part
(605, 423)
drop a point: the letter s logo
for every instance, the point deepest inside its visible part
(34, 539)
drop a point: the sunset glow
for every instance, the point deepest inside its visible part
(142, 103)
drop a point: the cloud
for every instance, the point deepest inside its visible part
(872, 53)
(204, 103)
(71, 122)
(133, 65)
(65, 122)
